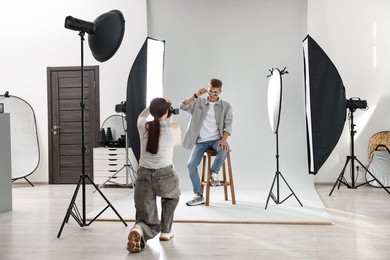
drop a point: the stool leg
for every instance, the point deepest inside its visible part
(225, 181)
(202, 180)
(208, 180)
(231, 179)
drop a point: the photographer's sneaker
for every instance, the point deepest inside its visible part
(214, 180)
(166, 236)
(197, 200)
(135, 243)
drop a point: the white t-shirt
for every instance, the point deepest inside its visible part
(209, 130)
(169, 137)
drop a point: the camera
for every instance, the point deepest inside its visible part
(356, 103)
(121, 108)
(174, 111)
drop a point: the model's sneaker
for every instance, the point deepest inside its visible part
(197, 200)
(134, 245)
(166, 236)
(214, 180)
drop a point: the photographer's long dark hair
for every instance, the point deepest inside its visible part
(158, 107)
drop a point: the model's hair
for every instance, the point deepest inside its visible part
(158, 107)
(215, 83)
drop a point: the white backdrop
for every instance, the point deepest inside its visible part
(238, 42)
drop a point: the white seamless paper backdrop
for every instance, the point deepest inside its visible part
(238, 42)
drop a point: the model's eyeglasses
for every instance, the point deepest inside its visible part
(214, 94)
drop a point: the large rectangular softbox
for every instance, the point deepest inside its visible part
(144, 83)
(325, 104)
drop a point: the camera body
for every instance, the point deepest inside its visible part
(121, 108)
(356, 103)
(172, 111)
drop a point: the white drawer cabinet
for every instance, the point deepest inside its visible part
(108, 161)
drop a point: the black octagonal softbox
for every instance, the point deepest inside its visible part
(105, 34)
(108, 35)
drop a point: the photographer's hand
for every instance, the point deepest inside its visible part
(174, 124)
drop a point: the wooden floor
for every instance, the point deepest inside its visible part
(361, 230)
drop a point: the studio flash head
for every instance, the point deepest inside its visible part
(174, 111)
(121, 108)
(356, 103)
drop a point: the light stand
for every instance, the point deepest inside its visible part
(278, 174)
(73, 209)
(352, 158)
(128, 166)
(274, 108)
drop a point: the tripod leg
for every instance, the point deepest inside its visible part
(112, 176)
(71, 205)
(372, 177)
(292, 192)
(132, 174)
(341, 176)
(29, 181)
(108, 202)
(270, 192)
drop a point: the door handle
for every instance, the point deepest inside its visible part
(55, 128)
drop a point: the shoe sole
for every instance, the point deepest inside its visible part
(165, 238)
(195, 204)
(134, 244)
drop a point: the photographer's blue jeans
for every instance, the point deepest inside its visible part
(196, 157)
(151, 183)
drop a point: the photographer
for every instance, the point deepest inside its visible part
(156, 175)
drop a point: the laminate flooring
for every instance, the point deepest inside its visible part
(361, 230)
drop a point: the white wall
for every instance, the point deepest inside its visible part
(238, 42)
(33, 38)
(355, 34)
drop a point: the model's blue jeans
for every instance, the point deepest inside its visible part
(196, 157)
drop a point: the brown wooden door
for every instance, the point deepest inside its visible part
(64, 112)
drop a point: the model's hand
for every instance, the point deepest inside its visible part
(224, 145)
(201, 92)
